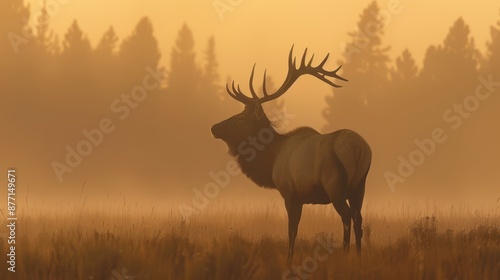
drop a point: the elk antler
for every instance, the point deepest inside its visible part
(293, 74)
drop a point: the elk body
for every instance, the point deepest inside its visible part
(306, 167)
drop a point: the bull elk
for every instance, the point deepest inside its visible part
(306, 167)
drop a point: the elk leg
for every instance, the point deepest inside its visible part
(358, 231)
(356, 201)
(345, 213)
(357, 220)
(294, 211)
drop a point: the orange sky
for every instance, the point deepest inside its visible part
(321, 26)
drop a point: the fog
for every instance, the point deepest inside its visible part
(432, 132)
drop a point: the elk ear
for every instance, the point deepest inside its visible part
(258, 112)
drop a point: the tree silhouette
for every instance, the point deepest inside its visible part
(365, 66)
(137, 52)
(44, 36)
(75, 61)
(449, 76)
(108, 44)
(449, 70)
(141, 48)
(106, 64)
(211, 93)
(402, 89)
(458, 52)
(45, 52)
(76, 44)
(493, 52)
(406, 69)
(184, 75)
(14, 27)
(16, 38)
(449, 73)
(210, 78)
(403, 86)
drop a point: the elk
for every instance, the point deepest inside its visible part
(306, 167)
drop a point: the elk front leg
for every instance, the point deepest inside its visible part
(294, 210)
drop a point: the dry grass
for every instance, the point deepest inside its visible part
(250, 243)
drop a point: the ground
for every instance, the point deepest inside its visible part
(245, 242)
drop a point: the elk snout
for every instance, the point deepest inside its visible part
(216, 131)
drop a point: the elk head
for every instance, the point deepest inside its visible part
(252, 120)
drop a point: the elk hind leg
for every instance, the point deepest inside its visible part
(356, 202)
(345, 213)
(335, 186)
(294, 210)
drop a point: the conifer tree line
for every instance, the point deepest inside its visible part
(55, 85)
(396, 104)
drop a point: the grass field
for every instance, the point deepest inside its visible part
(249, 242)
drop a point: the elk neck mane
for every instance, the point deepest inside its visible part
(260, 167)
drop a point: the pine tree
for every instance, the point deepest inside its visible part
(45, 52)
(75, 39)
(108, 44)
(76, 45)
(15, 29)
(44, 36)
(210, 79)
(456, 57)
(184, 76)
(449, 72)
(365, 65)
(460, 46)
(403, 88)
(140, 50)
(448, 75)
(16, 39)
(106, 66)
(364, 55)
(493, 53)
(406, 69)
(76, 60)
(453, 62)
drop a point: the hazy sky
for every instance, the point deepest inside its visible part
(263, 31)
(264, 28)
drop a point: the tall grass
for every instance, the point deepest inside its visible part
(245, 242)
